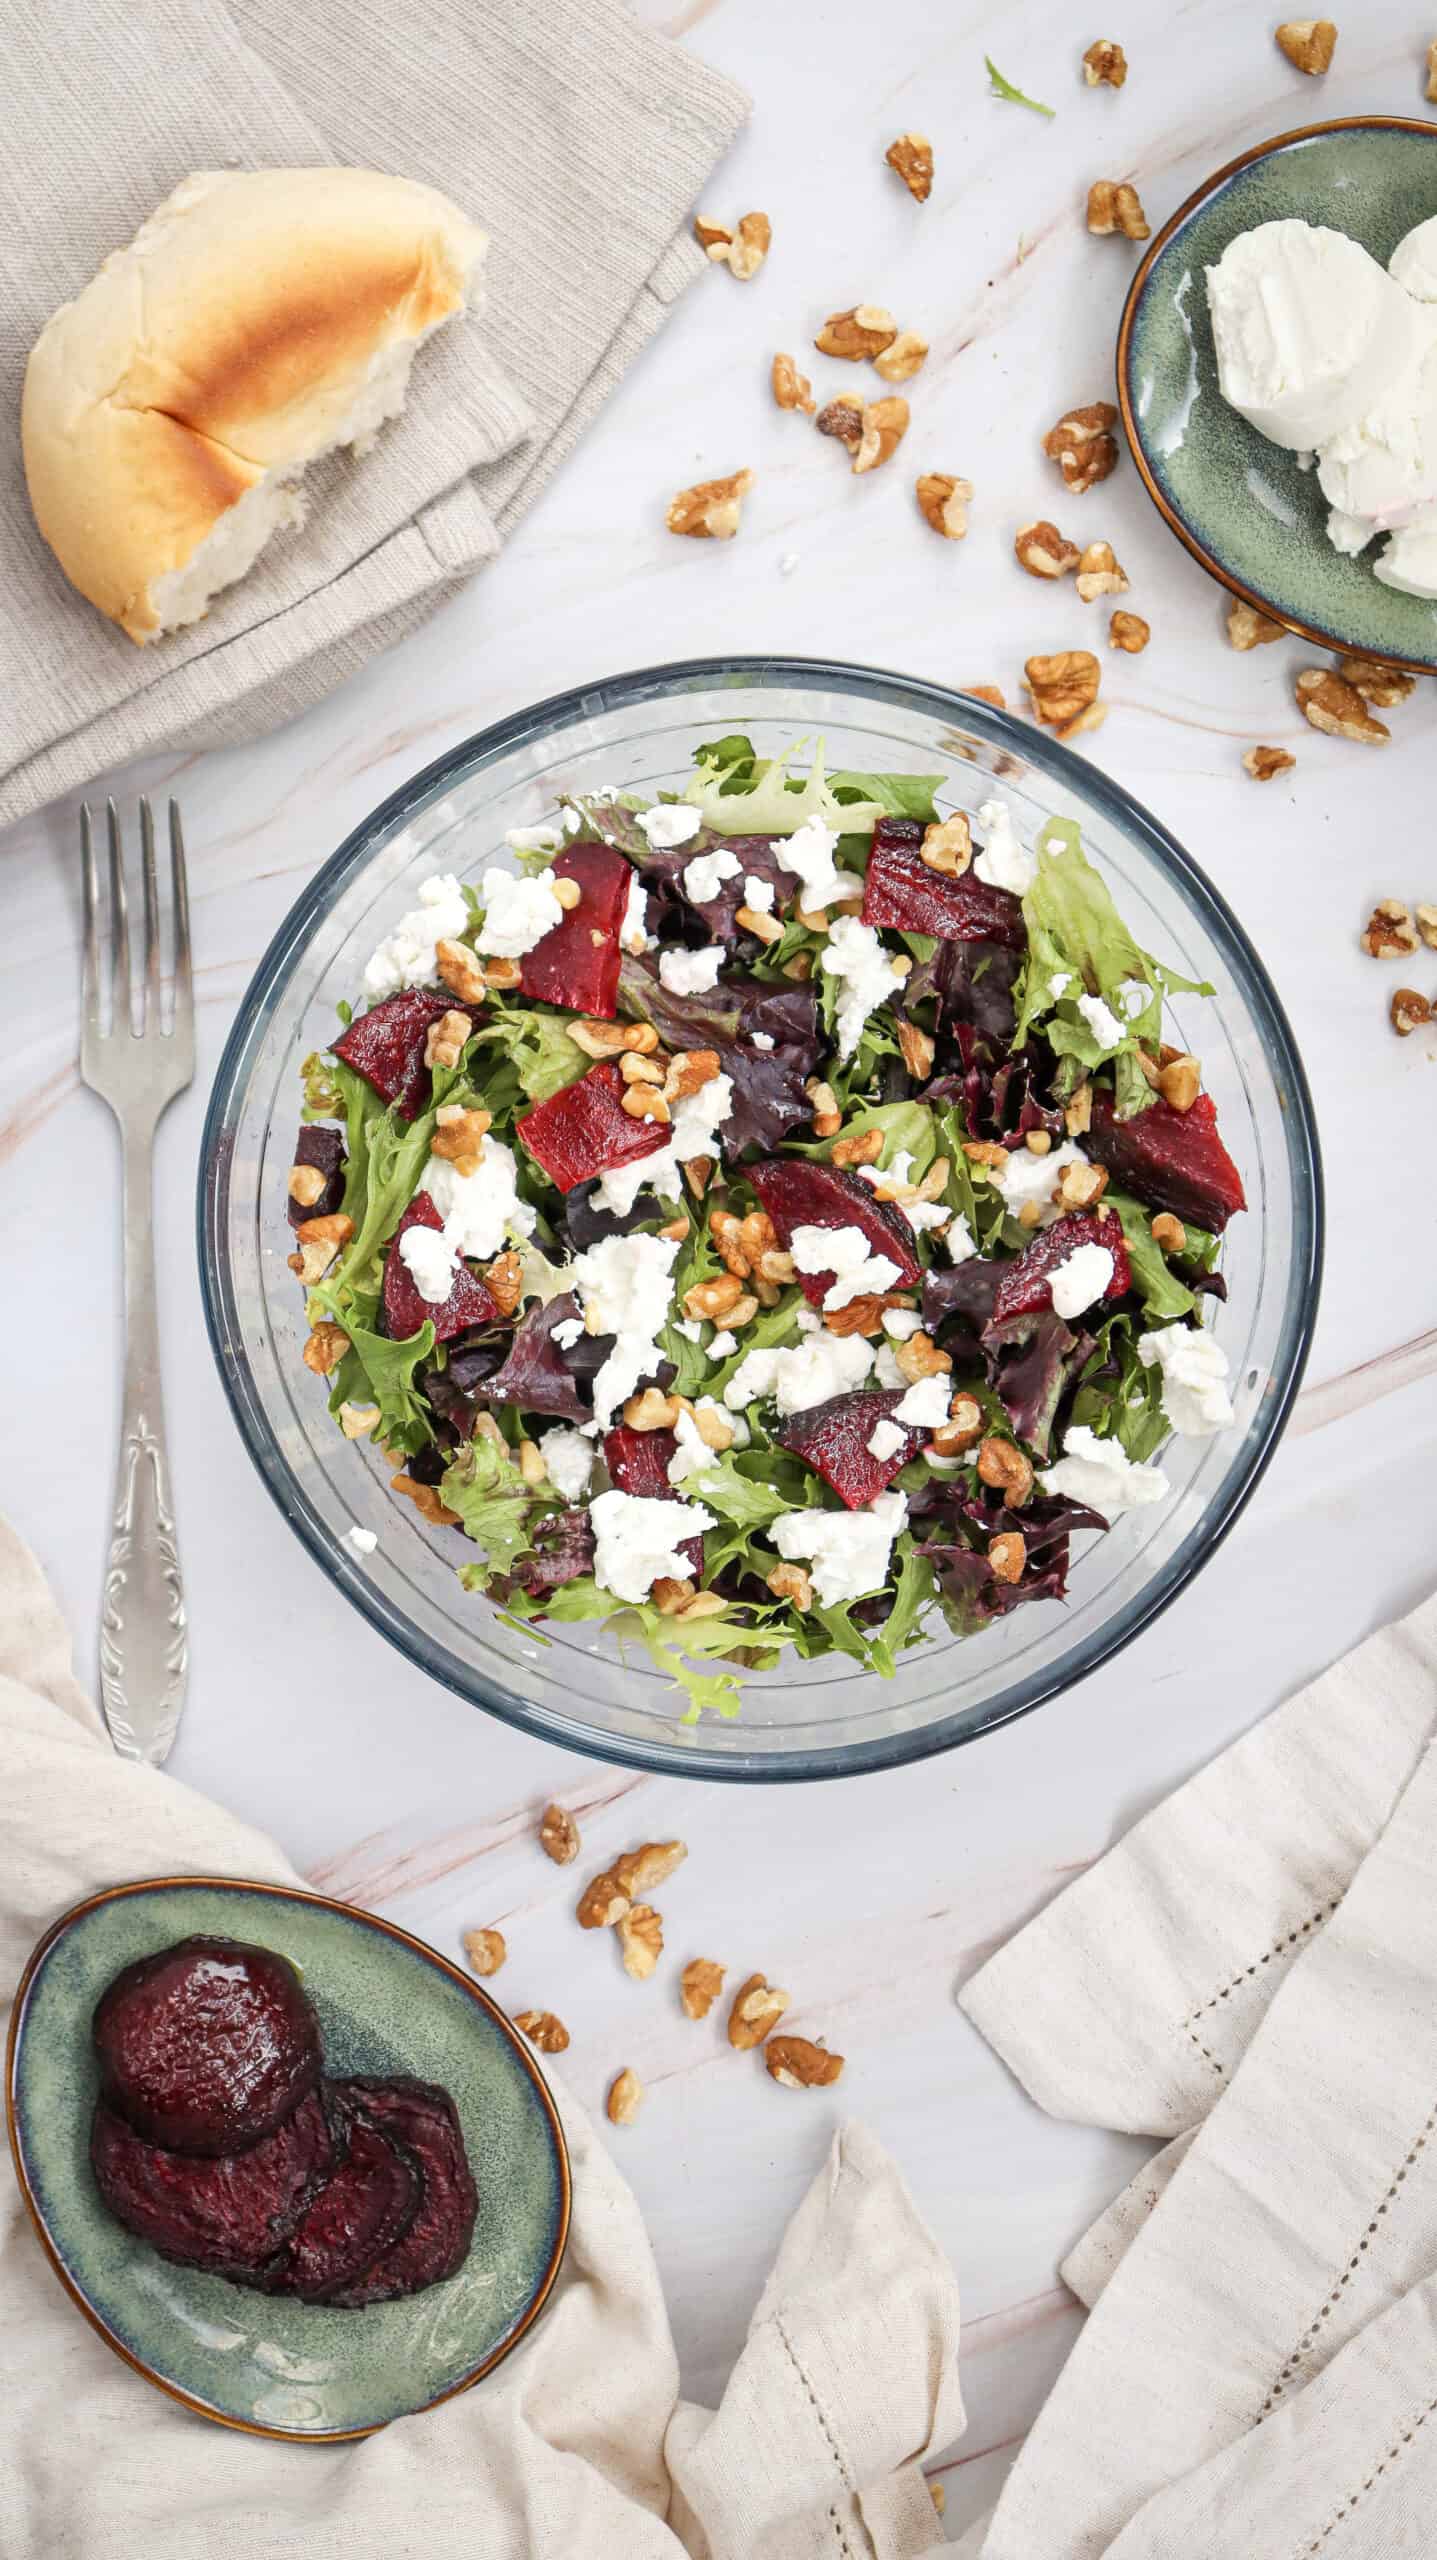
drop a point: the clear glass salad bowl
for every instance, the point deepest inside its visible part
(576, 1684)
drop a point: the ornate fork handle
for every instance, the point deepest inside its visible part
(144, 1646)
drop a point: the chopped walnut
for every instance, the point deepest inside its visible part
(1409, 1011)
(1081, 1186)
(715, 1299)
(920, 1357)
(1308, 43)
(710, 510)
(1007, 1554)
(1264, 762)
(325, 1348)
(486, 1950)
(543, 2029)
(764, 928)
(917, 1049)
(1114, 207)
(699, 1986)
(1105, 61)
(1427, 926)
(1099, 573)
(689, 1071)
(757, 2007)
(861, 1315)
(426, 1502)
(860, 333)
(1179, 1083)
(961, 1431)
(742, 250)
(613, 1039)
(843, 419)
(1386, 686)
(1078, 1112)
(711, 235)
(912, 156)
(827, 1119)
(504, 1280)
(639, 1871)
(944, 501)
(1043, 551)
(306, 1184)
(335, 1229)
(907, 356)
(1389, 933)
(459, 1137)
(504, 975)
(559, 1835)
(948, 847)
(457, 969)
(791, 389)
(651, 1410)
(603, 1902)
(626, 2096)
(1083, 445)
(864, 1147)
(531, 1464)
(645, 1102)
(1129, 632)
(357, 1421)
(1062, 686)
(790, 1582)
(641, 1937)
(1249, 629)
(987, 693)
(444, 1040)
(885, 424)
(1337, 709)
(795, 2063)
(1001, 1463)
(1168, 1233)
(936, 2490)
(636, 1070)
(671, 1594)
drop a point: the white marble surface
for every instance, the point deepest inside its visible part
(870, 1900)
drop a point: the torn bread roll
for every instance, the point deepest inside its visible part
(256, 321)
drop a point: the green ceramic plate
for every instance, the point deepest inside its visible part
(386, 2004)
(1244, 508)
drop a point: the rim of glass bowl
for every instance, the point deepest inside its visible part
(688, 1757)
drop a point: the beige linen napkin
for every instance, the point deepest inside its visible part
(577, 138)
(579, 2447)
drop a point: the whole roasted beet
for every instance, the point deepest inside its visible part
(425, 2121)
(229, 2215)
(207, 2046)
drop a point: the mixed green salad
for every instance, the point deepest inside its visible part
(768, 1219)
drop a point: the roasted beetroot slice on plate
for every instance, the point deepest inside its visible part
(366, 2204)
(584, 1129)
(1026, 1288)
(638, 1462)
(227, 2215)
(386, 1047)
(207, 2046)
(405, 1310)
(436, 2244)
(824, 1195)
(322, 1150)
(833, 1439)
(901, 890)
(1171, 1160)
(577, 963)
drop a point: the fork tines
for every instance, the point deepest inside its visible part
(121, 989)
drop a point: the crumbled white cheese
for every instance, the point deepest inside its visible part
(763, 1040)
(958, 1240)
(363, 1541)
(518, 912)
(1100, 1473)
(886, 1372)
(1059, 984)
(670, 824)
(482, 1209)
(634, 931)
(693, 1131)
(705, 875)
(823, 1365)
(886, 1439)
(568, 1461)
(1134, 997)
(567, 1333)
(1005, 862)
(690, 973)
(1081, 1280)
(572, 820)
(1195, 1397)
(925, 1407)
(431, 1262)
(858, 1273)
(540, 839)
(723, 1346)
(691, 1330)
(1101, 1020)
(809, 851)
(406, 957)
(849, 1551)
(758, 896)
(639, 1540)
(1028, 1177)
(693, 1453)
(622, 1284)
(901, 1323)
(867, 973)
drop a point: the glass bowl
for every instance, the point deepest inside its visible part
(573, 1684)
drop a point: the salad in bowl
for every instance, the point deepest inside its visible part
(769, 1218)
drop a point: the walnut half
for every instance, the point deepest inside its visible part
(710, 510)
(857, 335)
(1043, 551)
(559, 1835)
(1114, 206)
(1105, 61)
(699, 1986)
(1062, 686)
(1337, 708)
(1265, 763)
(1309, 43)
(885, 424)
(543, 2029)
(1408, 1011)
(912, 156)
(944, 501)
(795, 2063)
(757, 2007)
(791, 389)
(1083, 445)
(1249, 629)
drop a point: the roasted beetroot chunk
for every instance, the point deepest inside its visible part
(797, 1194)
(228, 2215)
(366, 2204)
(833, 1439)
(1026, 1288)
(207, 2046)
(1171, 1160)
(323, 1150)
(901, 890)
(584, 1129)
(577, 964)
(423, 2119)
(386, 1047)
(405, 1310)
(638, 1462)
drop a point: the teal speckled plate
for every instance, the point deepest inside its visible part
(386, 2004)
(1244, 507)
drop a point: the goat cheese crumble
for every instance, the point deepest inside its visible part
(1101, 1474)
(705, 875)
(809, 851)
(1028, 1177)
(1194, 1371)
(848, 1551)
(868, 976)
(691, 973)
(810, 1372)
(480, 1211)
(639, 1540)
(886, 1439)
(1079, 1282)
(844, 1251)
(568, 1461)
(671, 823)
(1005, 862)
(1101, 1020)
(518, 912)
(406, 958)
(623, 1285)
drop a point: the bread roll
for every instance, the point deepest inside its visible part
(257, 320)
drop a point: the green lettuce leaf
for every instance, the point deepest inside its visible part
(681, 1655)
(375, 1370)
(497, 1508)
(761, 799)
(909, 1128)
(1001, 88)
(747, 1490)
(898, 795)
(1076, 932)
(536, 1050)
(1128, 1406)
(1162, 1292)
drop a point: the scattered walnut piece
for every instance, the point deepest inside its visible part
(1083, 445)
(457, 969)
(842, 418)
(1168, 1233)
(486, 1950)
(1129, 632)
(795, 2063)
(688, 1071)
(791, 389)
(1002, 1465)
(790, 1582)
(1427, 925)
(603, 1902)
(559, 1835)
(1043, 551)
(1007, 1554)
(711, 235)
(642, 1870)
(885, 424)
(1099, 573)
(612, 1039)
(644, 1102)
(357, 1421)
(306, 1182)
(864, 1147)
(459, 1137)
(861, 1315)
(1062, 686)
(710, 510)
(1386, 686)
(1337, 709)
(758, 2005)
(862, 332)
(699, 1986)
(920, 1357)
(912, 156)
(1180, 1082)
(1308, 42)
(1409, 1011)
(626, 2096)
(1431, 89)
(948, 846)
(917, 1048)
(742, 250)
(543, 2029)
(1081, 1186)
(907, 356)
(641, 1937)
(1114, 206)
(1389, 933)
(426, 1501)
(1264, 762)
(936, 2490)
(325, 1348)
(1105, 61)
(1249, 629)
(987, 693)
(944, 501)
(444, 1040)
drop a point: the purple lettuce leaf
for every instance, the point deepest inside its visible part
(663, 878)
(563, 1551)
(973, 985)
(538, 1374)
(1032, 1362)
(969, 1290)
(769, 1098)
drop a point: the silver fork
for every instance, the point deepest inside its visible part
(144, 1649)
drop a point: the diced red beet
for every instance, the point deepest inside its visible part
(901, 890)
(386, 1046)
(638, 1462)
(322, 1149)
(1171, 1160)
(468, 1302)
(833, 1439)
(584, 1129)
(796, 1194)
(577, 963)
(1026, 1288)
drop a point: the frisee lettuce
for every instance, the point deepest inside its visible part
(680, 1654)
(754, 797)
(498, 1510)
(1075, 932)
(1000, 88)
(535, 1049)
(375, 1370)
